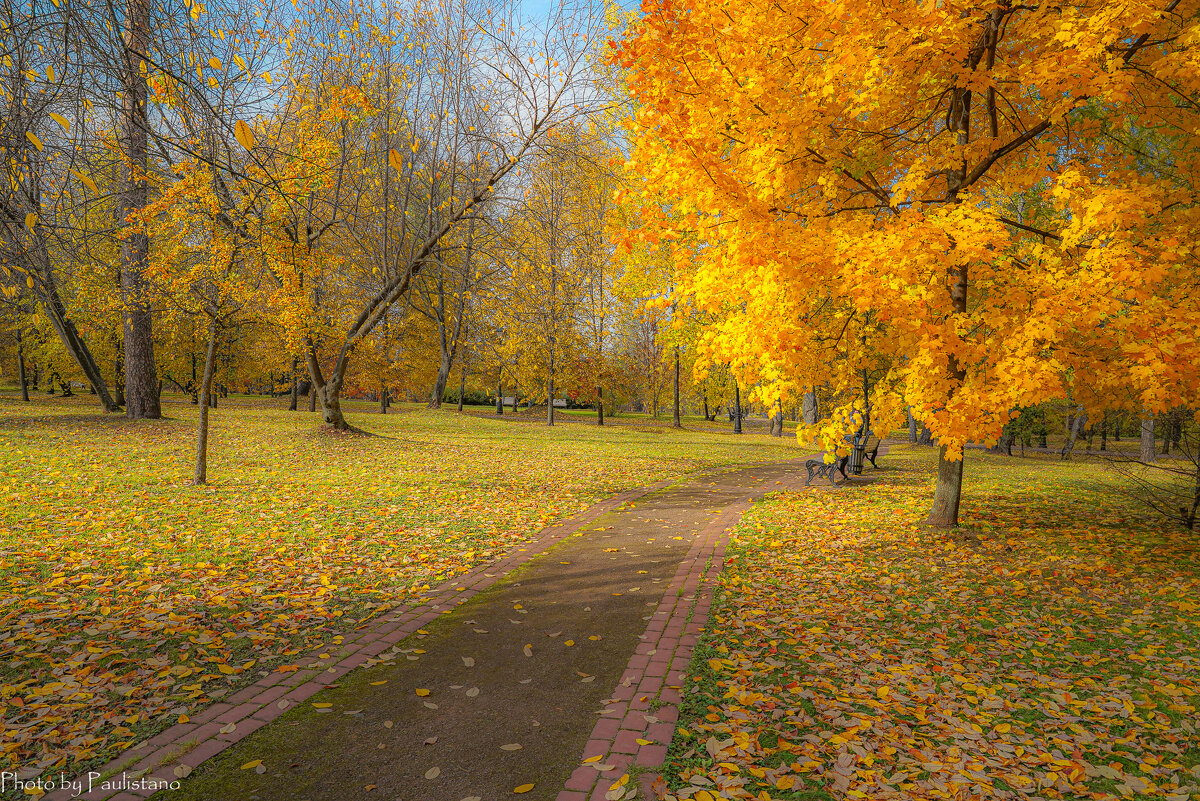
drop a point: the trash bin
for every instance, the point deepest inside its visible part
(854, 466)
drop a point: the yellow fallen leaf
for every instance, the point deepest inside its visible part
(322, 706)
(523, 788)
(422, 692)
(596, 758)
(378, 683)
(643, 741)
(253, 764)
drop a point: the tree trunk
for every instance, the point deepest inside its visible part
(1166, 434)
(1077, 422)
(119, 374)
(329, 391)
(205, 392)
(675, 421)
(550, 394)
(737, 408)
(777, 420)
(312, 397)
(706, 417)
(462, 382)
(443, 376)
(811, 412)
(499, 397)
(946, 493)
(195, 383)
(21, 367)
(514, 403)
(1117, 428)
(912, 426)
(1148, 455)
(383, 398)
(926, 436)
(141, 381)
(599, 406)
(294, 399)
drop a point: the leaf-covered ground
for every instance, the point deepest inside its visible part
(1052, 651)
(129, 598)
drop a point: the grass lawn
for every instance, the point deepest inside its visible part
(130, 599)
(1052, 650)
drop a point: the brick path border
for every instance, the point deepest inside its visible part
(658, 669)
(655, 673)
(222, 724)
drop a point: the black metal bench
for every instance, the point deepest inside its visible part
(871, 454)
(817, 468)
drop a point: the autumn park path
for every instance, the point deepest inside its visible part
(570, 649)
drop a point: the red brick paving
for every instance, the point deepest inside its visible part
(252, 707)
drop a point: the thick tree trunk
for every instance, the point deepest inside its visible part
(119, 374)
(777, 420)
(499, 397)
(675, 421)
(205, 392)
(811, 412)
(706, 417)
(21, 367)
(946, 493)
(383, 398)
(912, 426)
(1117, 428)
(141, 380)
(329, 391)
(443, 376)
(312, 397)
(599, 406)
(926, 436)
(1148, 456)
(294, 400)
(737, 408)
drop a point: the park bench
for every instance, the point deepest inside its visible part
(817, 468)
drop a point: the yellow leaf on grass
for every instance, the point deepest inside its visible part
(378, 683)
(523, 788)
(422, 692)
(322, 706)
(253, 764)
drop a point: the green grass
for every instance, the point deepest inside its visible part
(1047, 649)
(130, 598)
